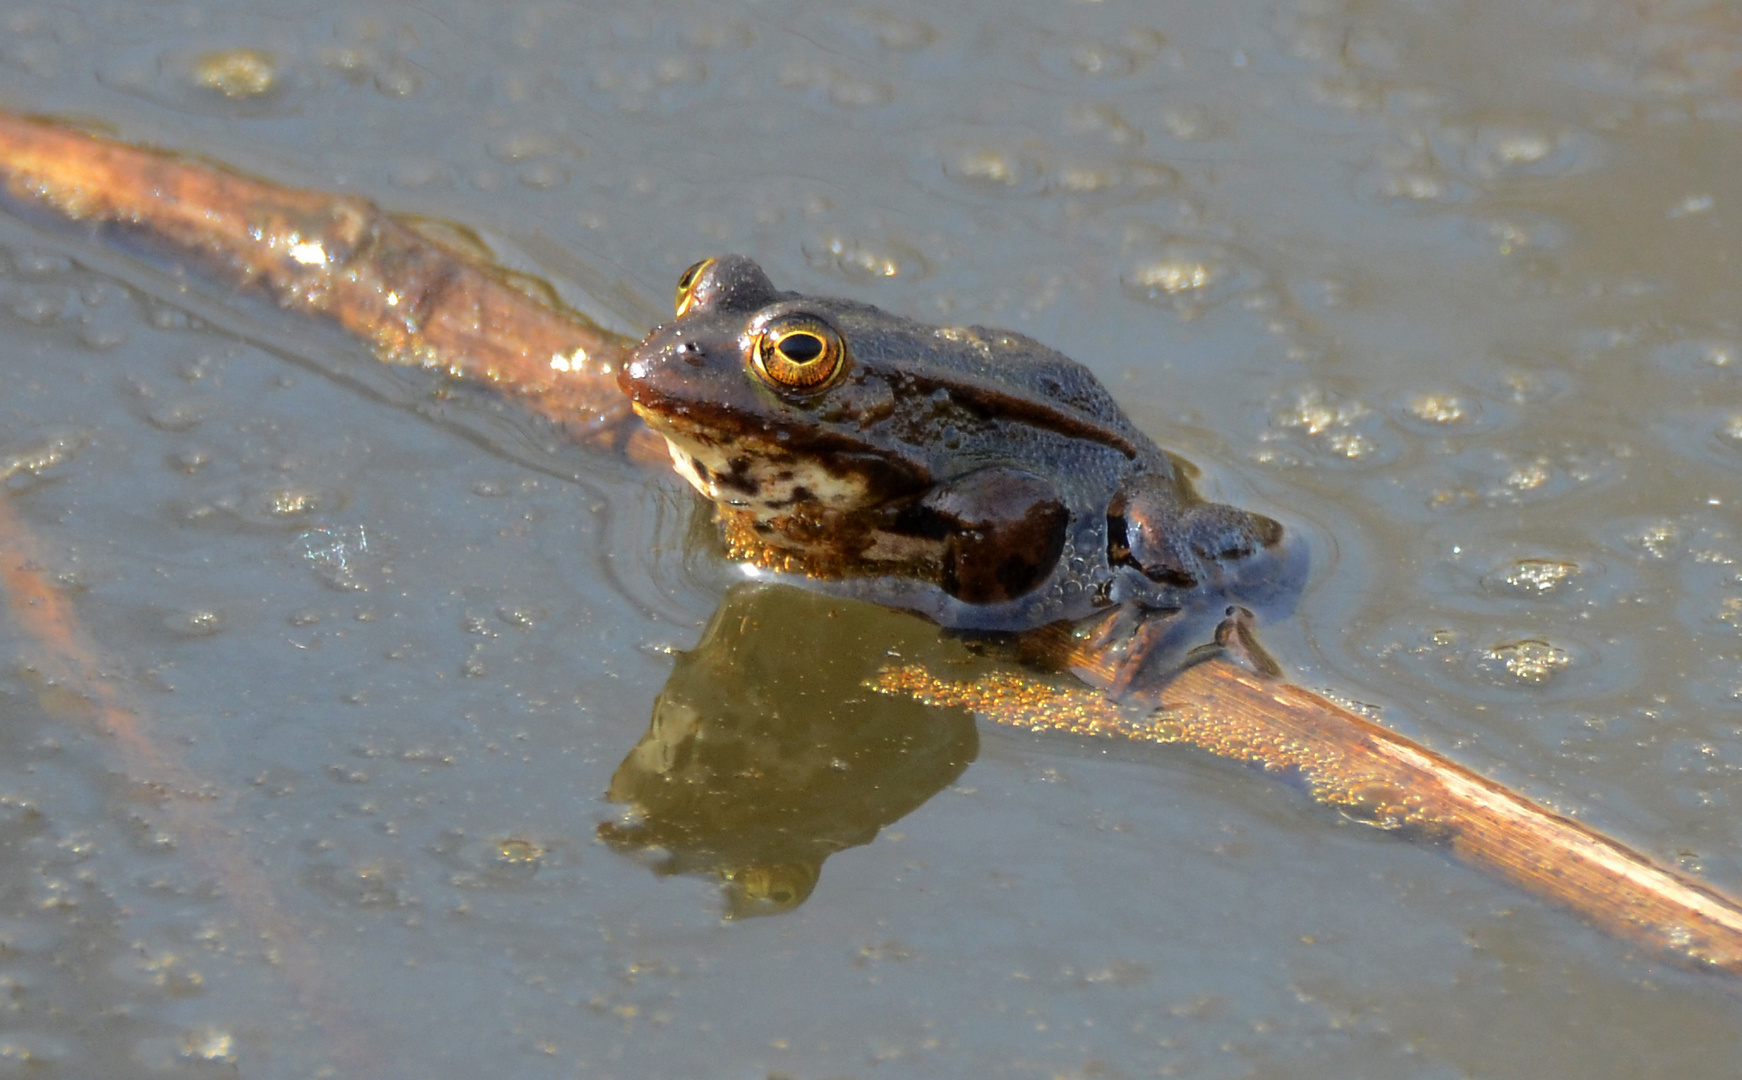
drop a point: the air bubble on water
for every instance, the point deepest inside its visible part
(1106, 121)
(235, 73)
(1191, 123)
(1328, 427)
(863, 260)
(1658, 539)
(519, 854)
(1187, 275)
(178, 416)
(39, 308)
(190, 459)
(1507, 150)
(195, 622)
(29, 1053)
(1534, 577)
(335, 555)
(987, 167)
(1692, 205)
(20, 468)
(520, 616)
(1438, 408)
(41, 264)
(1527, 662)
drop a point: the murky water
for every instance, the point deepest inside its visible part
(1449, 287)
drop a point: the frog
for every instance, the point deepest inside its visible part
(973, 475)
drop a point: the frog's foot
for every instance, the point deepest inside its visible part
(1184, 542)
(1152, 654)
(1237, 640)
(1115, 652)
(1131, 650)
(1132, 655)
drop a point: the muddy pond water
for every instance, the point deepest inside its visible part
(1448, 287)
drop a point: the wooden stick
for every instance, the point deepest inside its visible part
(416, 301)
(1382, 778)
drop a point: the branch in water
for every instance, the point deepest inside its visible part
(415, 300)
(75, 684)
(1377, 776)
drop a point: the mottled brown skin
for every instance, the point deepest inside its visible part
(973, 475)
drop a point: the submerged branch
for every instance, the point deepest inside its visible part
(73, 683)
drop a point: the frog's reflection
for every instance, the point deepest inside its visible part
(767, 754)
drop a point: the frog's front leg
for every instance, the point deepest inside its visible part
(1126, 644)
(1181, 541)
(1133, 651)
(1190, 546)
(1002, 528)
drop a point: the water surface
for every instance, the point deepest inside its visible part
(1449, 287)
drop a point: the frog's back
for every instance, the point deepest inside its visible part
(1006, 373)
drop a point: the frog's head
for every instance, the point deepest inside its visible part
(767, 411)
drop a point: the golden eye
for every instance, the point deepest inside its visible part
(799, 352)
(686, 285)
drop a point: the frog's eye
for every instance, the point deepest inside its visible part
(686, 285)
(799, 352)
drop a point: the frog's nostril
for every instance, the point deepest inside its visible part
(691, 352)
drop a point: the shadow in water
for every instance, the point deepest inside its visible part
(768, 753)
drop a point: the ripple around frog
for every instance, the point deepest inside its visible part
(156, 302)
